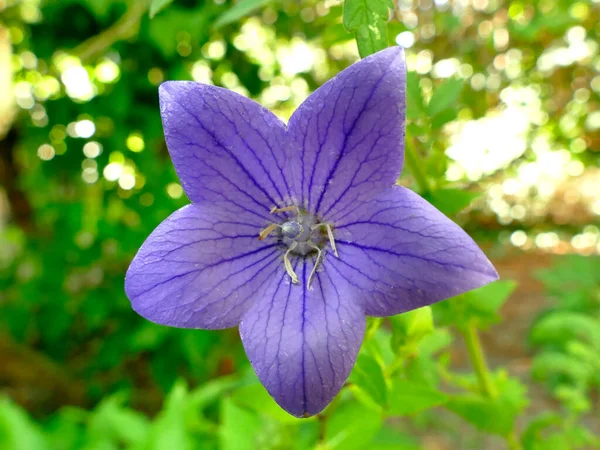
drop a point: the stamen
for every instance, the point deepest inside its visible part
(288, 265)
(317, 262)
(329, 235)
(267, 231)
(331, 239)
(276, 210)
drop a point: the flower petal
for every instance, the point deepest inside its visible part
(225, 147)
(350, 135)
(201, 268)
(303, 342)
(402, 253)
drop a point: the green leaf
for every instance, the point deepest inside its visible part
(533, 432)
(493, 415)
(368, 20)
(351, 426)
(451, 201)
(158, 5)
(415, 105)
(407, 397)
(441, 119)
(164, 28)
(111, 420)
(480, 306)
(550, 364)
(445, 96)
(169, 430)
(17, 430)
(239, 427)
(390, 438)
(409, 328)
(213, 390)
(101, 8)
(558, 328)
(367, 375)
(255, 397)
(238, 11)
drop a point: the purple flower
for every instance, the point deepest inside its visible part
(297, 232)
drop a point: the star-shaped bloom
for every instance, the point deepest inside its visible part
(296, 232)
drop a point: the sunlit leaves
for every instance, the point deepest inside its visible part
(368, 19)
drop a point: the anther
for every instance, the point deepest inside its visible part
(288, 265)
(267, 231)
(329, 235)
(276, 210)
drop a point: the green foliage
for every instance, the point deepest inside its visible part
(66, 240)
(368, 20)
(17, 430)
(548, 430)
(451, 201)
(410, 328)
(407, 397)
(444, 97)
(480, 306)
(495, 414)
(567, 338)
(352, 426)
(239, 428)
(370, 380)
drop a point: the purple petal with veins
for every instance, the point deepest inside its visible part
(226, 148)
(402, 254)
(350, 135)
(303, 342)
(201, 268)
(297, 232)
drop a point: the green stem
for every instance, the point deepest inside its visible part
(473, 343)
(513, 441)
(412, 161)
(125, 28)
(486, 385)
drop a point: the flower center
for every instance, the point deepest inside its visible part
(303, 235)
(302, 232)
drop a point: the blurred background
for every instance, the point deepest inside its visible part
(504, 132)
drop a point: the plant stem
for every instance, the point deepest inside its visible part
(413, 163)
(125, 28)
(486, 385)
(473, 343)
(513, 441)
